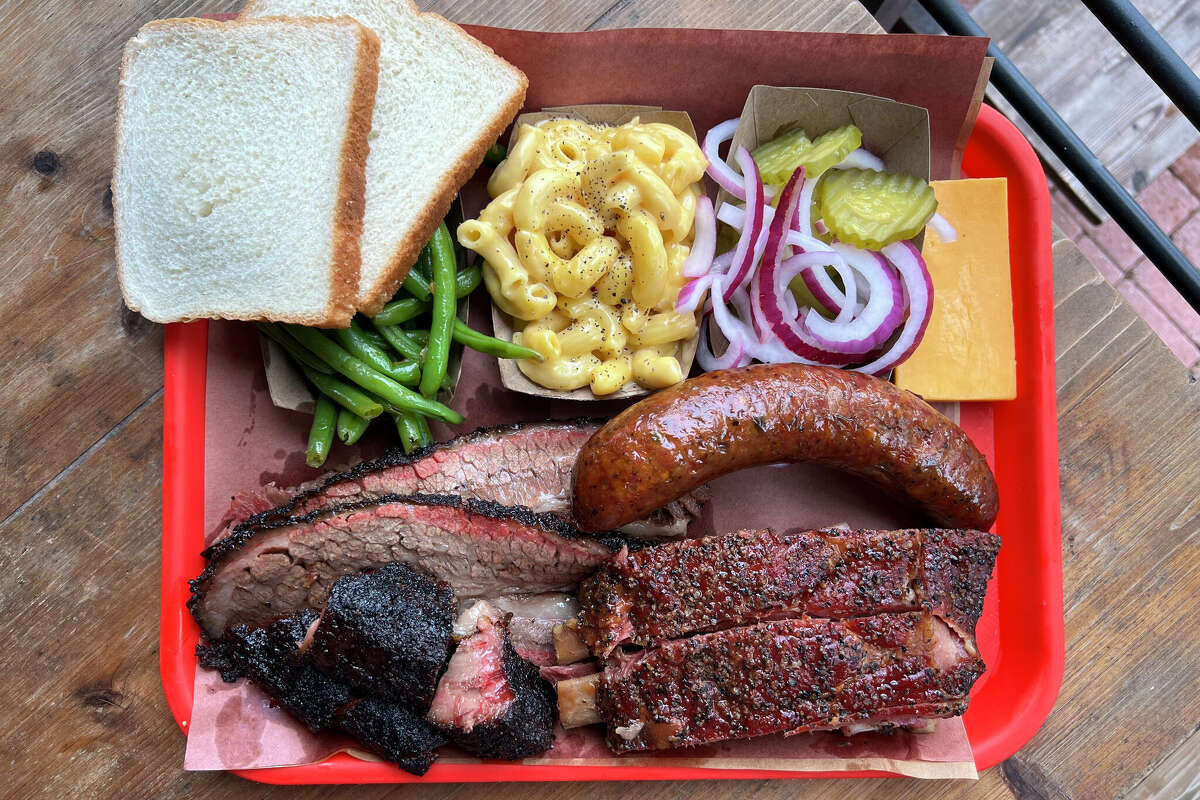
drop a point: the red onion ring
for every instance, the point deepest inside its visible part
(747, 252)
(945, 231)
(768, 291)
(876, 321)
(692, 293)
(718, 170)
(861, 159)
(919, 288)
(735, 217)
(733, 330)
(803, 222)
(704, 242)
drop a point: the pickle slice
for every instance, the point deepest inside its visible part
(871, 209)
(781, 158)
(778, 158)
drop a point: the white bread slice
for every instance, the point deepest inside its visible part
(443, 100)
(239, 183)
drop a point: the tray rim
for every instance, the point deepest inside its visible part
(995, 143)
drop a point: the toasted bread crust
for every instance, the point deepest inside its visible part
(346, 256)
(373, 298)
(352, 194)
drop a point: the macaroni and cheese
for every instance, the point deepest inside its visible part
(583, 244)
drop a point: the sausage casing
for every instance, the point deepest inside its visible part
(682, 437)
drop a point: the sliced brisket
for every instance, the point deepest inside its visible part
(260, 574)
(526, 464)
(387, 633)
(491, 702)
(277, 659)
(786, 676)
(531, 621)
(702, 585)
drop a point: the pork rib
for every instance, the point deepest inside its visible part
(718, 582)
(786, 676)
(259, 574)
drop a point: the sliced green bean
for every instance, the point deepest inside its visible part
(344, 394)
(419, 336)
(360, 346)
(409, 428)
(350, 426)
(445, 306)
(371, 333)
(423, 426)
(467, 281)
(403, 342)
(381, 385)
(401, 310)
(320, 435)
(415, 286)
(495, 154)
(499, 348)
(406, 308)
(416, 282)
(424, 265)
(299, 353)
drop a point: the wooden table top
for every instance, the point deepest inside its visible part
(82, 710)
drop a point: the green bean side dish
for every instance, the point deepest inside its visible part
(395, 362)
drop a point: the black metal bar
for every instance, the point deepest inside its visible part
(1017, 89)
(1152, 53)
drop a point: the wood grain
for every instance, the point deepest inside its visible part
(1094, 85)
(75, 361)
(81, 707)
(767, 14)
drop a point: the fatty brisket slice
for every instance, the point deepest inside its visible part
(276, 659)
(717, 582)
(523, 464)
(387, 633)
(259, 574)
(490, 701)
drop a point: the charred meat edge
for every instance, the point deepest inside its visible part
(395, 457)
(243, 534)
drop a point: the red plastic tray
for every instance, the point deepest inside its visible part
(1020, 633)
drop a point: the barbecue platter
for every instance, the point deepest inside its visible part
(493, 590)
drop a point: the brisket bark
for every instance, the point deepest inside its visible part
(491, 702)
(787, 676)
(526, 464)
(275, 658)
(387, 633)
(259, 574)
(701, 585)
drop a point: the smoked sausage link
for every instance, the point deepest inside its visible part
(682, 437)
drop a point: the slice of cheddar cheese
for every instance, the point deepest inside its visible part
(968, 351)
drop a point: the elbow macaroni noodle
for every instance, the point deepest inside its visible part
(584, 242)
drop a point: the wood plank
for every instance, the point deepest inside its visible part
(538, 15)
(1098, 89)
(74, 360)
(1128, 423)
(767, 14)
(1176, 778)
